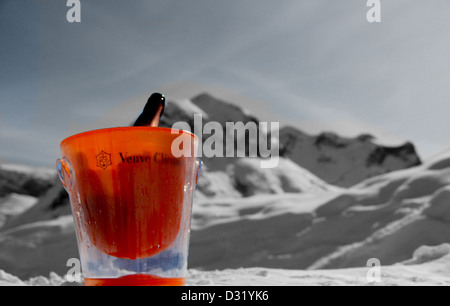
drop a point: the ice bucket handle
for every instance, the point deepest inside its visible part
(65, 172)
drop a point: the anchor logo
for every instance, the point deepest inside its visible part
(104, 160)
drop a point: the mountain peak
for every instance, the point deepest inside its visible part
(341, 161)
(344, 161)
(222, 111)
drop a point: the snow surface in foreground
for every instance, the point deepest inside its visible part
(436, 273)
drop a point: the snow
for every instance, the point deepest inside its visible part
(439, 204)
(63, 224)
(344, 161)
(245, 178)
(319, 226)
(282, 226)
(212, 212)
(15, 204)
(187, 108)
(287, 177)
(217, 184)
(37, 172)
(426, 254)
(9, 280)
(38, 248)
(386, 217)
(429, 273)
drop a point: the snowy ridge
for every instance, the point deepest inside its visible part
(336, 160)
(14, 205)
(386, 217)
(343, 161)
(38, 172)
(427, 273)
(271, 222)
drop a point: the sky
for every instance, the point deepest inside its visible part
(317, 65)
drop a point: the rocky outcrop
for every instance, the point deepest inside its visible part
(23, 183)
(344, 161)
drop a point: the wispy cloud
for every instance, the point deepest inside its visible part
(310, 62)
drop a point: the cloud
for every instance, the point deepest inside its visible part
(309, 63)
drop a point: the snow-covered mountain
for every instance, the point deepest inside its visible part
(288, 217)
(337, 160)
(386, 217)
(25, 180)
(343, 161)
(20, 187)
